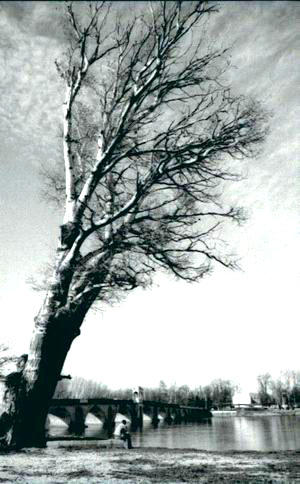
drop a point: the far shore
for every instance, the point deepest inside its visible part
(99, 462)
(255, 412)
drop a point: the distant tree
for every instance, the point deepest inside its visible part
(295, 393)
(207, 392)
(79, 387)
(62, 390)
(295, 390)
(183, 393)
(291, 380)
(264, 387)
(149, 129)
(277, 391)
(124, 393)
(163, 392)
(285, 389)
(173, 393)
(191, 398)
(222, 392)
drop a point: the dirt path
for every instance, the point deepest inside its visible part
(91, 465)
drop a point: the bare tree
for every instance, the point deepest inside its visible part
(222, 392)
(264, 387)
(78, 387)
(149, 129)
(284, 388)
(278, 391)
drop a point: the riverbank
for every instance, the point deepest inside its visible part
(92, 463)
(256, 412)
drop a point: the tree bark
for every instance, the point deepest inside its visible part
(29, 392)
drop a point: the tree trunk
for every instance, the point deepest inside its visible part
(29, 391)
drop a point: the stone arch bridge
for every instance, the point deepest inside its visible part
(74, 411)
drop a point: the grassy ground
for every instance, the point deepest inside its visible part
(93, 464)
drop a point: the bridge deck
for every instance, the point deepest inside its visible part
(113, 401)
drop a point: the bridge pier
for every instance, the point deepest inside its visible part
(77, 423)
(177, 416)
(140, 412)
(155, 419)
(109, 421)
(168, 417)
(151, 410)
(73, 415)
(136, 416)
(185, 415)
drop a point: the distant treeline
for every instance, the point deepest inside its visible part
(218, 393)
(284, 390)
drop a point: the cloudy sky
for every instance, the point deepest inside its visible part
(232, 325)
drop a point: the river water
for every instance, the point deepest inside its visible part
(264, 433)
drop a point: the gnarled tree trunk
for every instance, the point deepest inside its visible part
(29, 392)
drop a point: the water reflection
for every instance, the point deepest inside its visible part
(219, 434)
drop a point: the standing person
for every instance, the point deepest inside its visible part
(123, 433)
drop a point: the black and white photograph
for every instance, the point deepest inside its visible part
(149, 241)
